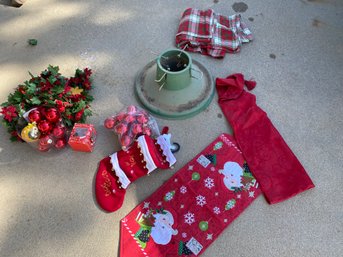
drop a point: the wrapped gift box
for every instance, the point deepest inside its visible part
(82, 137)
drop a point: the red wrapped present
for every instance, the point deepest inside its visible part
(82, 137)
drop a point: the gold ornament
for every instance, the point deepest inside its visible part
(30, 133)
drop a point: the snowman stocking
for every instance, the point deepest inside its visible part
(272, 162)
(117, 171)
(189, 211)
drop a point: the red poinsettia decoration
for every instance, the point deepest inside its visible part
(9, 113)
(54, 96)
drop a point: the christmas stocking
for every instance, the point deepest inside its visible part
(187, 213)
(116, 172)
(272, 162)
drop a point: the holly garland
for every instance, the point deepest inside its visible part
(69, 96)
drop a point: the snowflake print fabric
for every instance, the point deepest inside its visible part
(183, 190)
(201, 200)
(189, 218)
(189, 211)
(209, 183)
(216, 210)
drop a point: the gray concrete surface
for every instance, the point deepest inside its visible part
(47, 205)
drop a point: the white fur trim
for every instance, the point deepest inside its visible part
(150, 165)
(123, 179)
(164, 142)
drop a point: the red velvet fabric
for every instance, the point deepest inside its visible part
(270, 159)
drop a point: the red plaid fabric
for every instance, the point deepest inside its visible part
(210, 33)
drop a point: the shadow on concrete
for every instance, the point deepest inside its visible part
(54, 221)
(6, 3)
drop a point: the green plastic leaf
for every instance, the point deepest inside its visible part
(33, 42)
(68, 123)
(53, 69)
(89, 98)
(79, 106)
(78, 72)
(31, 75)
(35, 100)
(52, 80)
(31, 88)
(13, 138)
(15, 98)
(58, 89)
(87, 112)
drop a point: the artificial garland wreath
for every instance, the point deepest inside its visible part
(44, 107)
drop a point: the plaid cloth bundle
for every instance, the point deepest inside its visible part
(210, 33)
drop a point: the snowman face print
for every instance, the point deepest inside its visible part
(233, 173)
(162, 230)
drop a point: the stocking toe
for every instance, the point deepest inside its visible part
(108, 191)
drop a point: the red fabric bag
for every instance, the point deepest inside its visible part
(188, 212)
(271, 161)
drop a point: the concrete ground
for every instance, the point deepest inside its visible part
(47, 201)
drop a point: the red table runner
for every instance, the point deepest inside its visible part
(189, 211)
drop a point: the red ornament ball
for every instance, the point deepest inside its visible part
(42, 111)
(142, 119)
(44, 126)
(129, 118)
(59, 132)
(35, 116)
(131, 109)
(125, 141)
(120, 128)
(147, 131)
(78, 115)
(119, 117)
(52, 115)
(42, 148)
(137, 129)
(60, 143)
(45, 143)
(109, 123)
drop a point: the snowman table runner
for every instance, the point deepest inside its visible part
(187, 213)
